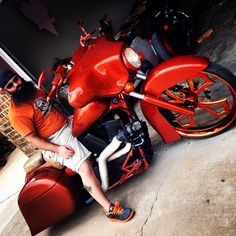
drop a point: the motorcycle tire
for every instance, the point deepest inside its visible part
(159, 47)
(211, 95)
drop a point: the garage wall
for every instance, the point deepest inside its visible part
(36, 48)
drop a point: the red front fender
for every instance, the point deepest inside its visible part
(162, 77)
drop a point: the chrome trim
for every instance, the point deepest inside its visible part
(136, 95)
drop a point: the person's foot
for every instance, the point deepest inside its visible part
(119, 214)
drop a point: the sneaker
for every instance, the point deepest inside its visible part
(119, 214)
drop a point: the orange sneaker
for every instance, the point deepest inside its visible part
(119, 214)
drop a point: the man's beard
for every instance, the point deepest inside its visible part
(25, 93)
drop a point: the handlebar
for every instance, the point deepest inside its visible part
(84, 39)
(57, 81)
(59, 76)
(104, 27)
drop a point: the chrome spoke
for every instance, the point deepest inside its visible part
(208, 106)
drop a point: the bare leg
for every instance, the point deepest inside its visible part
(92, 184)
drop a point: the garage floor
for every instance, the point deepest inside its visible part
(190, 188)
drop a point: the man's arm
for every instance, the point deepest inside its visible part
(63, 150)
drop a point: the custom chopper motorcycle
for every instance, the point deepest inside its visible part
(183, 96)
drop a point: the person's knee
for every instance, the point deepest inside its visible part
(86, 169)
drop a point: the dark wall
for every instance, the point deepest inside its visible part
(36, 48)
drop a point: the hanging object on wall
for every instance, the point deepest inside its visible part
(38, 13)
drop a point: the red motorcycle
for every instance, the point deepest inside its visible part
(183, 96)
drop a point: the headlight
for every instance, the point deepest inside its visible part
(132, 57)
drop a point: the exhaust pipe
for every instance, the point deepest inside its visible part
(102, 161)
(121, 152)
(109, 154)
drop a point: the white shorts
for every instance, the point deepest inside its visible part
(64, 137)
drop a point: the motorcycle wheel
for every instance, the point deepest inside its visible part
(159, 47)
(211, 95)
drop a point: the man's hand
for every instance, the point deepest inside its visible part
(65, 151)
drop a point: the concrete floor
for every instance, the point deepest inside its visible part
(190, 188)
(12, 178)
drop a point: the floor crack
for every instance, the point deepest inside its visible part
(9, 196)
(151, 209)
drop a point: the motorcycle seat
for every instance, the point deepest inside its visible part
(37, 160)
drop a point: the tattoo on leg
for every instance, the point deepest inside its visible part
(88, 188)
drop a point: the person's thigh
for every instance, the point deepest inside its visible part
(65, 137)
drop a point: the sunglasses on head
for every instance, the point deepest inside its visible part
(11, 82)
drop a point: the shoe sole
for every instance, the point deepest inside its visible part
(124, 221)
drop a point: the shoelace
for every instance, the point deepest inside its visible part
(118, 210)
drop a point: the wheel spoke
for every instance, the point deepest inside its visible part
(223, 103)
(191, 122)
(176, 98)
(204, 85)
(191, 85)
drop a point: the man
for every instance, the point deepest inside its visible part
(44, 127)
